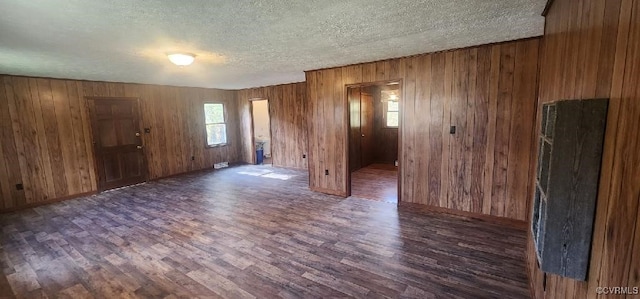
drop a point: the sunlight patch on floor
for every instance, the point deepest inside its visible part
(267, 174)
(278, 176)
(254, 173)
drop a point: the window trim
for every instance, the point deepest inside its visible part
(224, 119)
(385, 110)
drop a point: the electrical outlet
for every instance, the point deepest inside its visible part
(326, 172)
(193, 158)
(19, 187)
(452, 130)
(304, 156)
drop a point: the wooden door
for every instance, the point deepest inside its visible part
(355, 156)
(117, 142)
(367, 128)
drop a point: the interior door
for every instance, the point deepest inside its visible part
(117, 142)
(367, 128)
(355, 159)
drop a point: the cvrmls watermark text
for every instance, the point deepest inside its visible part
(618, 290)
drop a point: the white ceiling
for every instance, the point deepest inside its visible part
(241, 43)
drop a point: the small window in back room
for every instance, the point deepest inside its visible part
(215, 123)
(391, 108)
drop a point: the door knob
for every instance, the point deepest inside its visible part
(139, 147)
(362, 135)
(137, 134)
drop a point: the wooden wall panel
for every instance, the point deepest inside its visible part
(487, 92)
(46, 136)
(416, 124)
(334, 95)
(9, 150)
(503, 129)
(479, 139)
(438, 117)
(287, 111)
(591, 49)
(312, 131)
(355, 136)
(408, 119)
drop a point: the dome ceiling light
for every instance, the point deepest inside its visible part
(181, 59)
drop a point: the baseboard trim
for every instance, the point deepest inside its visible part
(74, 196)
(183, 173)
(47, 202)
(202, 170)
(289, 167)
(520, 224)
(328, 191)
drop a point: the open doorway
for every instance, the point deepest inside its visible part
(374, 124)
(261, 125)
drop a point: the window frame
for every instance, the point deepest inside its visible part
(385, 111)
(224, 119)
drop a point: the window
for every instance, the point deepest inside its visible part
(392, 113)
(391, 109)
(215, 124)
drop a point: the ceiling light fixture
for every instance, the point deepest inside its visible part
(181, 59)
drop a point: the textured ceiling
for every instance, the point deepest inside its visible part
(241, 43)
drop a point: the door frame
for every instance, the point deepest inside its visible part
(253, 138)
(348, 128)
(350, 92)
(94, 144)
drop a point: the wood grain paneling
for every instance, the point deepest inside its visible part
(487, 92)
(287, 109)
(591, 49)
(47, 141)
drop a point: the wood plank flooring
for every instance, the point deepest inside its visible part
(377, 182)
(252, 232)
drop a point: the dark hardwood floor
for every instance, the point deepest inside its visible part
(252, 232)
(377, 182)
